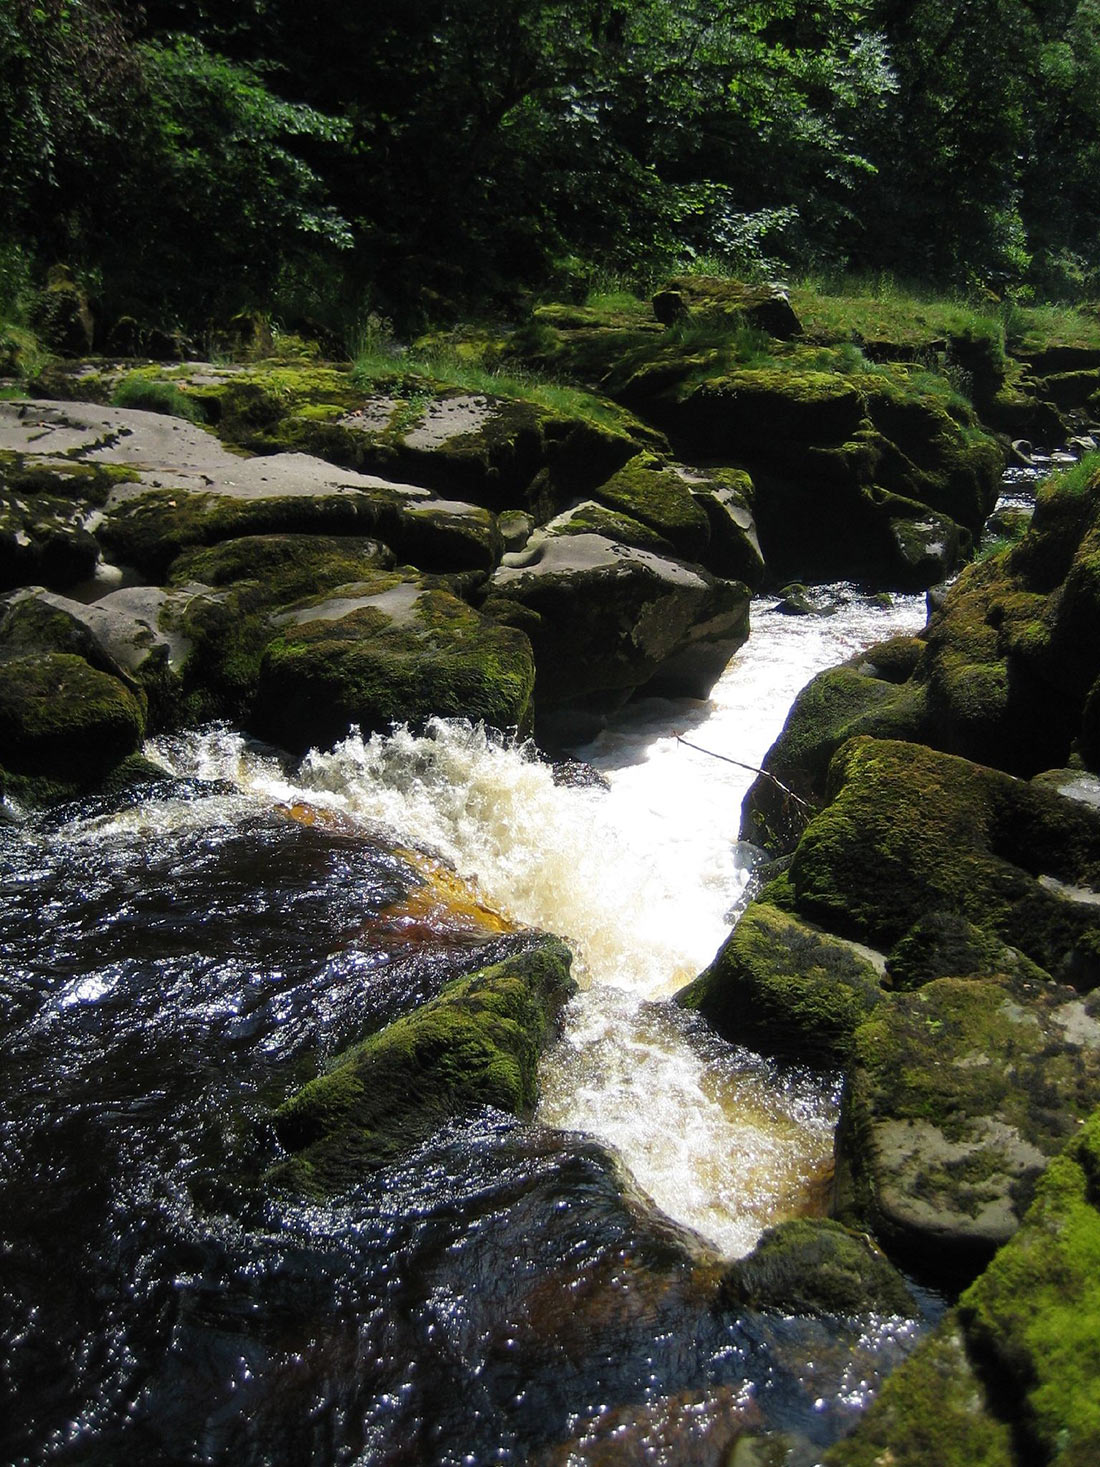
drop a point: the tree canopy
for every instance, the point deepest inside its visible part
(193, 158)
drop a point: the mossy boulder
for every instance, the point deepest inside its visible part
(1012, 658)
(881, 475)
(784, 987)
(1005, 673)
(1033, 1318)
(481, 446)
(294, 493)
(934, 1408)
(652, 491)
(814, 1266)
(1009, 1376)
(395, 648)
(476, 1044)
(64, 723)
(946, 945)
(958, 1095)
(283, 568)
(592, 518)
(910, 831)
(726, 496)
(859, 697)
(606, 618)
(46, 505)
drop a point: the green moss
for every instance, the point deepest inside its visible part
(958, 1049)
(649, 490)
(476, 1044)
(62, 719)
(319, 678)
(835, 706)
(780, 986)
(817, 1267)
(283, 568)
(933, 1409)
(152, 529)
(945, 944)
(1033, 1318)
(139, 390)
(911, 831)
(589, 518)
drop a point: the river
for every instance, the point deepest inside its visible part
(537, 1293)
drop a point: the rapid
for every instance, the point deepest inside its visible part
(513, 1292)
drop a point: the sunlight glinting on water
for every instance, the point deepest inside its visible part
(642, 880)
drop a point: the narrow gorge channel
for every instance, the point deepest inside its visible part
(540, 1293)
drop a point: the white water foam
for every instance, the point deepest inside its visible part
(641, 880)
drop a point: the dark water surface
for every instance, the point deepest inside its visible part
(505, 1295)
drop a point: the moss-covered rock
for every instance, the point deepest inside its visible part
(910, 832)
(64, 722)
(1009, 1377)
(958, 1095)
(649, 490)
(838, 704)
(880, 474)
(151, 529)
(1011, 655)
(715, 301)
(726, 496)
(477, 1044)
(785, 988)
(946, 945)
(933, 1409)
(283, 568)
(591, 518)
(391, 649)
(1033, 1318)
(45, 506)
(818, 1267)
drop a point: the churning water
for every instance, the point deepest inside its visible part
(513, 1292)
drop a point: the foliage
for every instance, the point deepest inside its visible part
(988, 185)
(218, 199)
(155, 396)
(187, 159)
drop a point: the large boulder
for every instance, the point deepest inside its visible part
(46, 505)
(863, 475)
(394, 648)
(650, 490)
(935, 1408)
(476, 1044)
(606, 618)
(871, 695)
(1009, 1377)
(1006, 672)
(148, 527)
(958, 1095)
(910, 832)
(64, 724)
(815, 1266)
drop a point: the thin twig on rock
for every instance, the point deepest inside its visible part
(752, 768)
